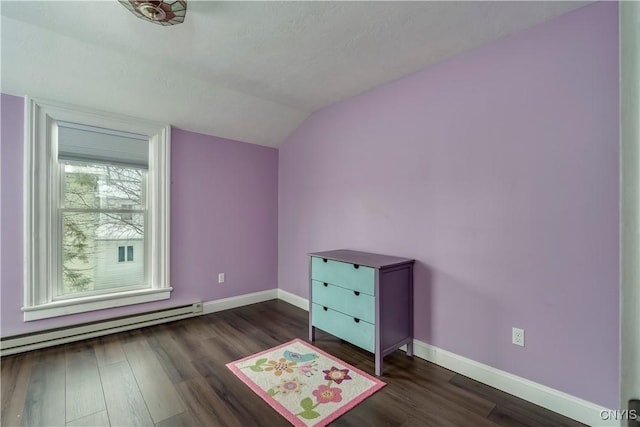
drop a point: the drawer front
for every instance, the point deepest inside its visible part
(361, 306)
(359, 333)
(343, 274)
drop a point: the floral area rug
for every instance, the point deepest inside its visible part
(303, 383)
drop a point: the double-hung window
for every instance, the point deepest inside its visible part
(97, 191)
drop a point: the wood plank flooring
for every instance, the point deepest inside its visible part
(174, 375)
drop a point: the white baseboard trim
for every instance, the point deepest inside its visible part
(547, 397)
(293, 299)
(238, 301)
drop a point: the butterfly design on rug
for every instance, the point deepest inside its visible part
(297, 357)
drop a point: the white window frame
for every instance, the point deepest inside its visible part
(41, 188)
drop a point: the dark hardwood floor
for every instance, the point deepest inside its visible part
(174, 375)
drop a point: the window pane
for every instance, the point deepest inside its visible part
(89, 242)
(102, 186)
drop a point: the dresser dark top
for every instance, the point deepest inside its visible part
(362, 258)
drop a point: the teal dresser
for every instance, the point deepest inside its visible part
(363, 298)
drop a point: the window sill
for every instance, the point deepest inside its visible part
(99, 302)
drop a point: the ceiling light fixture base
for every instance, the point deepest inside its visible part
(161, 12)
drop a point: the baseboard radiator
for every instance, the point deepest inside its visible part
(32, 341)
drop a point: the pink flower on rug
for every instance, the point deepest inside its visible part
(290, 386)
(280, 366)
(336, 375)
(326, 394)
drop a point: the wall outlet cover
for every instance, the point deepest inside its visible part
(517, 336)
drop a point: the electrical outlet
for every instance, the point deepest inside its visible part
(220, 277)
(517, 336)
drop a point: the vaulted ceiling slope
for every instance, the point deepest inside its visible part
(250, 71)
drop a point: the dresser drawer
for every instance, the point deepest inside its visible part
(361, 306)
(343, 274)
(359, 333)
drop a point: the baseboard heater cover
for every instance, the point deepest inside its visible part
(32, 341)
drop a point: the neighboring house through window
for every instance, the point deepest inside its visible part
(101, 189)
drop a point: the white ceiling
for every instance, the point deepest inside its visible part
(251, 71)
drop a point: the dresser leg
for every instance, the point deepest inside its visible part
(410, 348)
(312, 333)
(378, 364)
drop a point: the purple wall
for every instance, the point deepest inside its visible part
(223, 219)
(498, 172)
(224, 215)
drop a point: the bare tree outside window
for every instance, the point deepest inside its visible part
(103, 209)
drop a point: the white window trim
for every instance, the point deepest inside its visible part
(39, 190)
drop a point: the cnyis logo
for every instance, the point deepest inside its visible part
(624, 414)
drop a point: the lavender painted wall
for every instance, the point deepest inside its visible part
(498, 172)
(223, 219)
(224, 215)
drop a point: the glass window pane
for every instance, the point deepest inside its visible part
(103, 186)
(89, 243)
